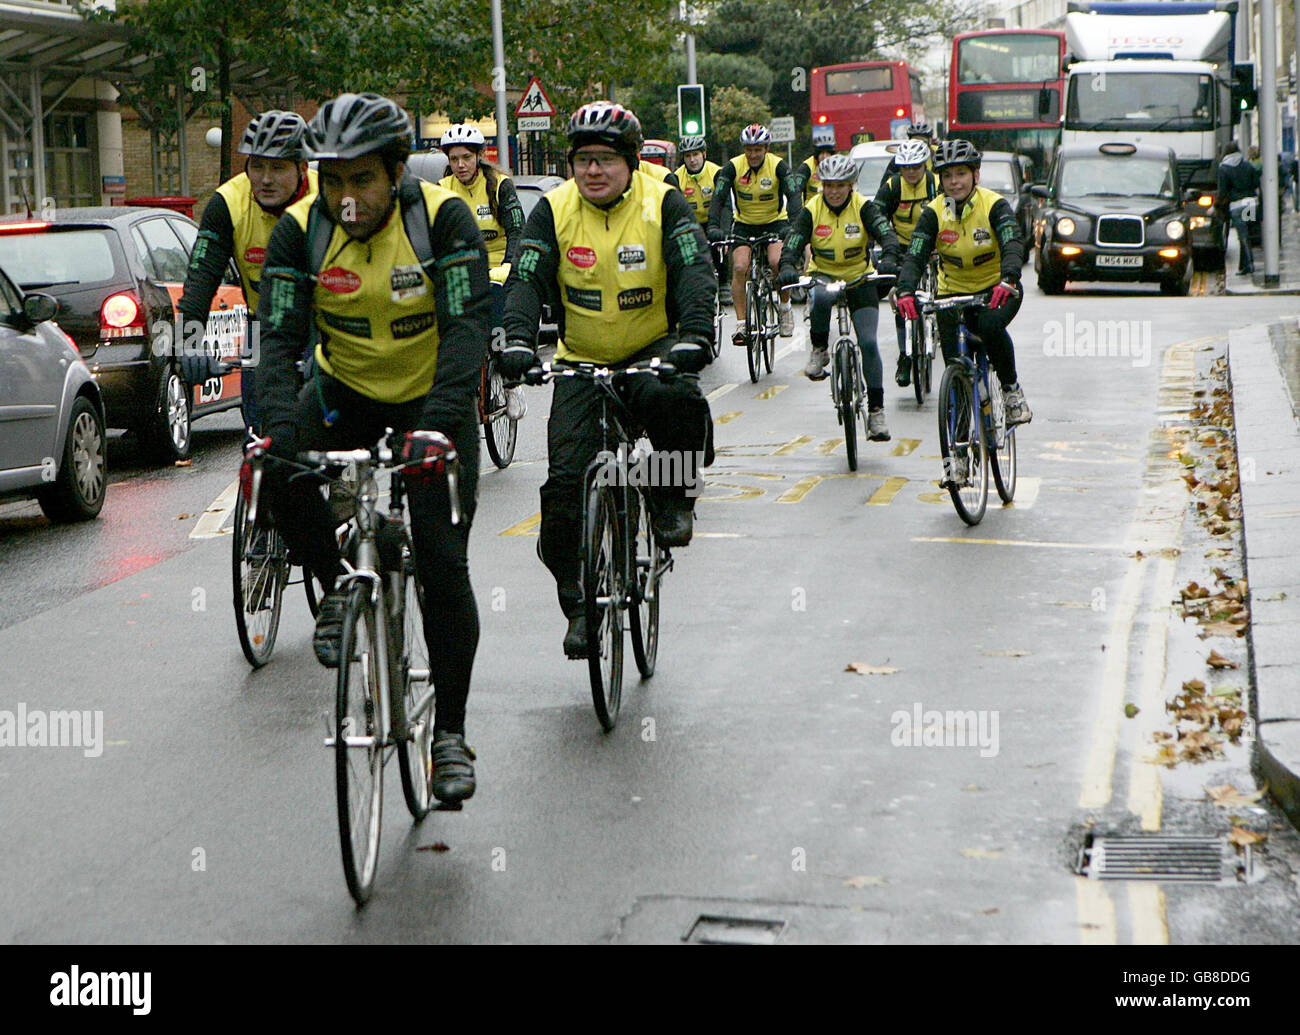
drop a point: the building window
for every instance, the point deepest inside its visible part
(71, 159)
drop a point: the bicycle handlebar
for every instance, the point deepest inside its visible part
(931, 303)
(594, 372)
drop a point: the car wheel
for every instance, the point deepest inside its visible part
(166, 431)
(1050, 281)
(77, 492)
(1178, 286)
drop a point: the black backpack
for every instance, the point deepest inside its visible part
(415, 220)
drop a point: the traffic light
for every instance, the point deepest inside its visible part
(690, 111)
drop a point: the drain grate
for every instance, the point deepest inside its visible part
(734, 930)
(1155, 857)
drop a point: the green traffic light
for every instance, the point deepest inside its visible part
(692, 128)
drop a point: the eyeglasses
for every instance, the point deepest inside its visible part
(605, 159)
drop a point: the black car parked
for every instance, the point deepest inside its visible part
(1113, 212)
(117, 274)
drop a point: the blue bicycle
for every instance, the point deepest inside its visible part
(972, 418)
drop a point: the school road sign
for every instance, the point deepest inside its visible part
(534, 102)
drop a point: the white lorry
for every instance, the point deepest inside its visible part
(1160, 74)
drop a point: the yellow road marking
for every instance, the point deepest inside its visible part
(1016, 542)
(829, 446)
(905, 446)
(211, 520)
(771, 393)
(1096, 912)
(743, 492)
(1146, 908)
(793, 445)
(720, 391)
(528, 526)
(803, 486)
(727, 418)
(1145, 796)
(884, 495)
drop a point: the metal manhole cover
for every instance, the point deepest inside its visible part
(1156, 857)
(734, 930)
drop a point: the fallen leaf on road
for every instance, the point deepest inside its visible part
(1004, 653)
(182, 517)
(863, 669)
(972, 787)
(437, 846)
(982, 853)
(1242, 837)
(1194, 592)
(1194, 686)
(1223, 629)
(1217, 660)
(866, 882)
(184, 463)
(1131, 710)
(988, 912)
(1229, 797)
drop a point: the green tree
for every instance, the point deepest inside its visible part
(733, 109)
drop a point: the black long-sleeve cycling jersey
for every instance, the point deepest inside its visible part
(724, 184)
(1001, 225)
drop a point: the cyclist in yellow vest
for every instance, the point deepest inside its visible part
(806, 177)
(901, 199)
(921, 131)
(402, 340)
(978, 240)
(623, 255)
(765, 198)
(492, 199)
(237, 223)
(839, 225)
(695, 179)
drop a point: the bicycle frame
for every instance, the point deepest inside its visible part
(975, 360)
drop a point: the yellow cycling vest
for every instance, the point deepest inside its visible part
(476, 197)
(698, 188)
(374, 307)
(758, 193)
(970, 258)
(911, 203)
(840, 245)
(612, 276)
(813, 185)
(253, 225)
(659, 172)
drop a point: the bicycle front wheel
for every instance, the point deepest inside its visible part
(415, 760)
(769, 336)
(719, 311)
(499, 431)
(643, 616)
(844, 384)
(916, 351)
(755, 331)
(358, 744)
(602, 590)
(1002, 459)
(961, 441)
(259, 572)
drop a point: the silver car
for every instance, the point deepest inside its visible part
(51, 414)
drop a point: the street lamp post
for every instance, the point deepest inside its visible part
(1268, 135)
(499, 86)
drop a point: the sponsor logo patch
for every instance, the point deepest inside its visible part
(406, 282)
(582, 299)
(635, 298)
(981, 235)
(980, 260)
(583, 258)
(485, 211)
(254, 256)
(410, 326)
(852, 230)
(822, 230)
(357, 326)
(765, 182)
(339, 280)
(631, 257)
(949, 236)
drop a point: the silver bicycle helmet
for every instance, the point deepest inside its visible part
(356, 124)
(275, 134)
(836, 169)
(914, 152)
(956, 152)
(690, 144)
(920, 129)
(755, 133)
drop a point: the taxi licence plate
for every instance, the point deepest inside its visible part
(1119, 260)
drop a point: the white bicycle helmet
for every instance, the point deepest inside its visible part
(914, 152)
(755, 133)
(836, 169)
(462, 135)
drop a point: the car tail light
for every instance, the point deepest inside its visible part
(899, 113)
(821, 119)
(121, 315)
(21, 228)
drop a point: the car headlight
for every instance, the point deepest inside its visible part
(1065, 226)
(1175, 229)
(1198, 222)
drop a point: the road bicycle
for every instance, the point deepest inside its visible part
(622, 563)
(762, 314)
(499, 430)
(719, 250)
(972, 417)
(848, 386)
(921, 337)
(383, 692)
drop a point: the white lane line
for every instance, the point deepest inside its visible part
(719, 392)
(1145, 793)
(209, 524)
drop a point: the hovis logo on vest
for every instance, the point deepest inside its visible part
(583, 258)
(635, 298)
(254, 256)
(339, 280)
(822, 230)
(949, 236)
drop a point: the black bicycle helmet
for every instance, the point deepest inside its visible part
(275, 134)
(920, 129)
(604, 122)
(956, 152)
(356, 124)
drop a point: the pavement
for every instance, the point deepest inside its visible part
(1264, 362)
(1288, 283)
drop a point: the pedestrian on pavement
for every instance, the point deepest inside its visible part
(1286, 179)
(1237, 191)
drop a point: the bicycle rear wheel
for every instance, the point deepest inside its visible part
(499, 431)
(916, 350)
(961, 441)
(643, 615)
(773, 322)
(358, 744)
(259, 573)
(719, 312)
(844, 393)
(602, 591)
(415, 759)
(755, 331)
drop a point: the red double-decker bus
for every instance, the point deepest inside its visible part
(866, 100)
(1004, 91)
